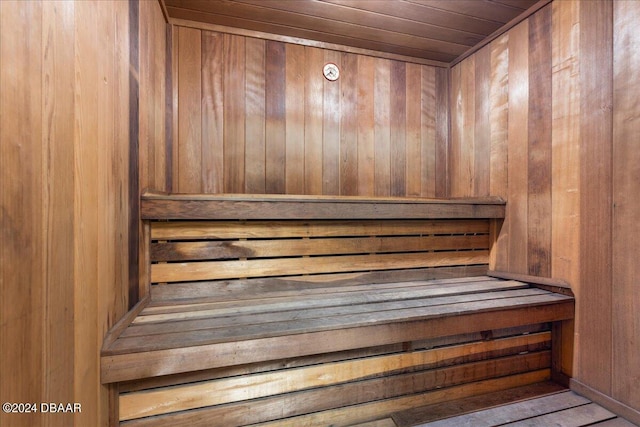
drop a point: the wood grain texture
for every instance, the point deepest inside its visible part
(539, 150)
(216, 392)
(307, 402)
(270, 207)
(270, 120)
(517, 219)
(212, 45)
(234, 145)
(275, 97)
(64, 166)
(429, 413)
(626, 176)
(590, 57)
(153, 54)
(21, 164)
(256, 115)
(565, 181)
(596, 174)
(189, 173)
(345, 416)
(64, 158)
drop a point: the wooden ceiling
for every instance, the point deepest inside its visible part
(431, 30)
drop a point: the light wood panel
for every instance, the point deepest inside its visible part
(626, 206)
(570, 81)
(23, 334)
(65, 173)
(596, 86)
(565, 110)
(261, 118)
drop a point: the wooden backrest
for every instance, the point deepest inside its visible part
(221, 238)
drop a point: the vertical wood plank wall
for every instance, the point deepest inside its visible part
(64, 193)
(257, 116)
(561, 136)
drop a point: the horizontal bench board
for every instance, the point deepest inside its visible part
(185, 230)
(353, 354)
(306, 326)
(321, 403)
(212, 270)
(120, 364)
(228, 390)
(329, 298)
(169, 325)
(187, 206)
(237, 289)
(229, 249)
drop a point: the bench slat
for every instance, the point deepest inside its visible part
(340, 405)
(221, 391)
(206, 321)
(228, 249)
(144, 364)
(187, 272)
(333, 297)
(238, 289)
(183, 230)
(336, 323)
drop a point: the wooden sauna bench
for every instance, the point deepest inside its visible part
(286, 310)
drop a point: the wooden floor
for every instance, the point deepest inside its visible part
(557, 407)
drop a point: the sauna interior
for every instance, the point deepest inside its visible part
(133, 134)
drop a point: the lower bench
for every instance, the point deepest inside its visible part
(321, 347)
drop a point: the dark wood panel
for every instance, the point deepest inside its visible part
(309, 207)
(442, 134)
(539, 137)
(276, 101)
(398, 125)
(348, 161)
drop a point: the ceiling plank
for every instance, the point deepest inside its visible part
(422, 13)
(371, 19)
(477, 8)
(190, 15)
(296, 21)
(200, 25)
(430, 30)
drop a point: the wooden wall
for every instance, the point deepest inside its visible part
(67, 139)
(256, 116)
(546, 116)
